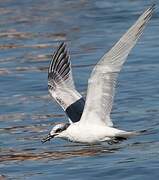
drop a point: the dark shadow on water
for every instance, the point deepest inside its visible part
(80, 151)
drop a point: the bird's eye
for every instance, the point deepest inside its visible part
(58, 130)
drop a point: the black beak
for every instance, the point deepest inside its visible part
(47, 138)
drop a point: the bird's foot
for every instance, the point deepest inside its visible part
(116, 140)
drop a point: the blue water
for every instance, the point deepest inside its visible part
(29, 33)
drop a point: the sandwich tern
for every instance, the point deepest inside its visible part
(89, 120)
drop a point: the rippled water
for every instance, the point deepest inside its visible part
(29, 32)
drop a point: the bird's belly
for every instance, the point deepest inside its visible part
(88, 135)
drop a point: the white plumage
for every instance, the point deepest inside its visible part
(93, 124)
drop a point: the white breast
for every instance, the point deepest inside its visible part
(89, 134)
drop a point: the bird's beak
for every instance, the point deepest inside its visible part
(48, 137)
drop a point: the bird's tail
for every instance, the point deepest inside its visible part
(128, 134)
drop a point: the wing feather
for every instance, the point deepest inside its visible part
(61, 86)
(101, 85)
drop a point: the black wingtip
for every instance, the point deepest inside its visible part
(152, 7)
(61, 47)
(149, 12)
(61, 44)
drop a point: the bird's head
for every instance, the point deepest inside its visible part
(56, 131)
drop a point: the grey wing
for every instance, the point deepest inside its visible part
(101, 85)
(61, 86)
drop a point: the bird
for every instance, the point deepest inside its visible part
(89, 119)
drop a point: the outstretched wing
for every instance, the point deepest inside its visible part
(101, 84)
(61, 85)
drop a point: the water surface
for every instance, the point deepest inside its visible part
(29, 33)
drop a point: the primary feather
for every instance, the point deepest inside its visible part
(101, 85)
(61, 85)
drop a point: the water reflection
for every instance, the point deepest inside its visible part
(55, 155)
(74, 150)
